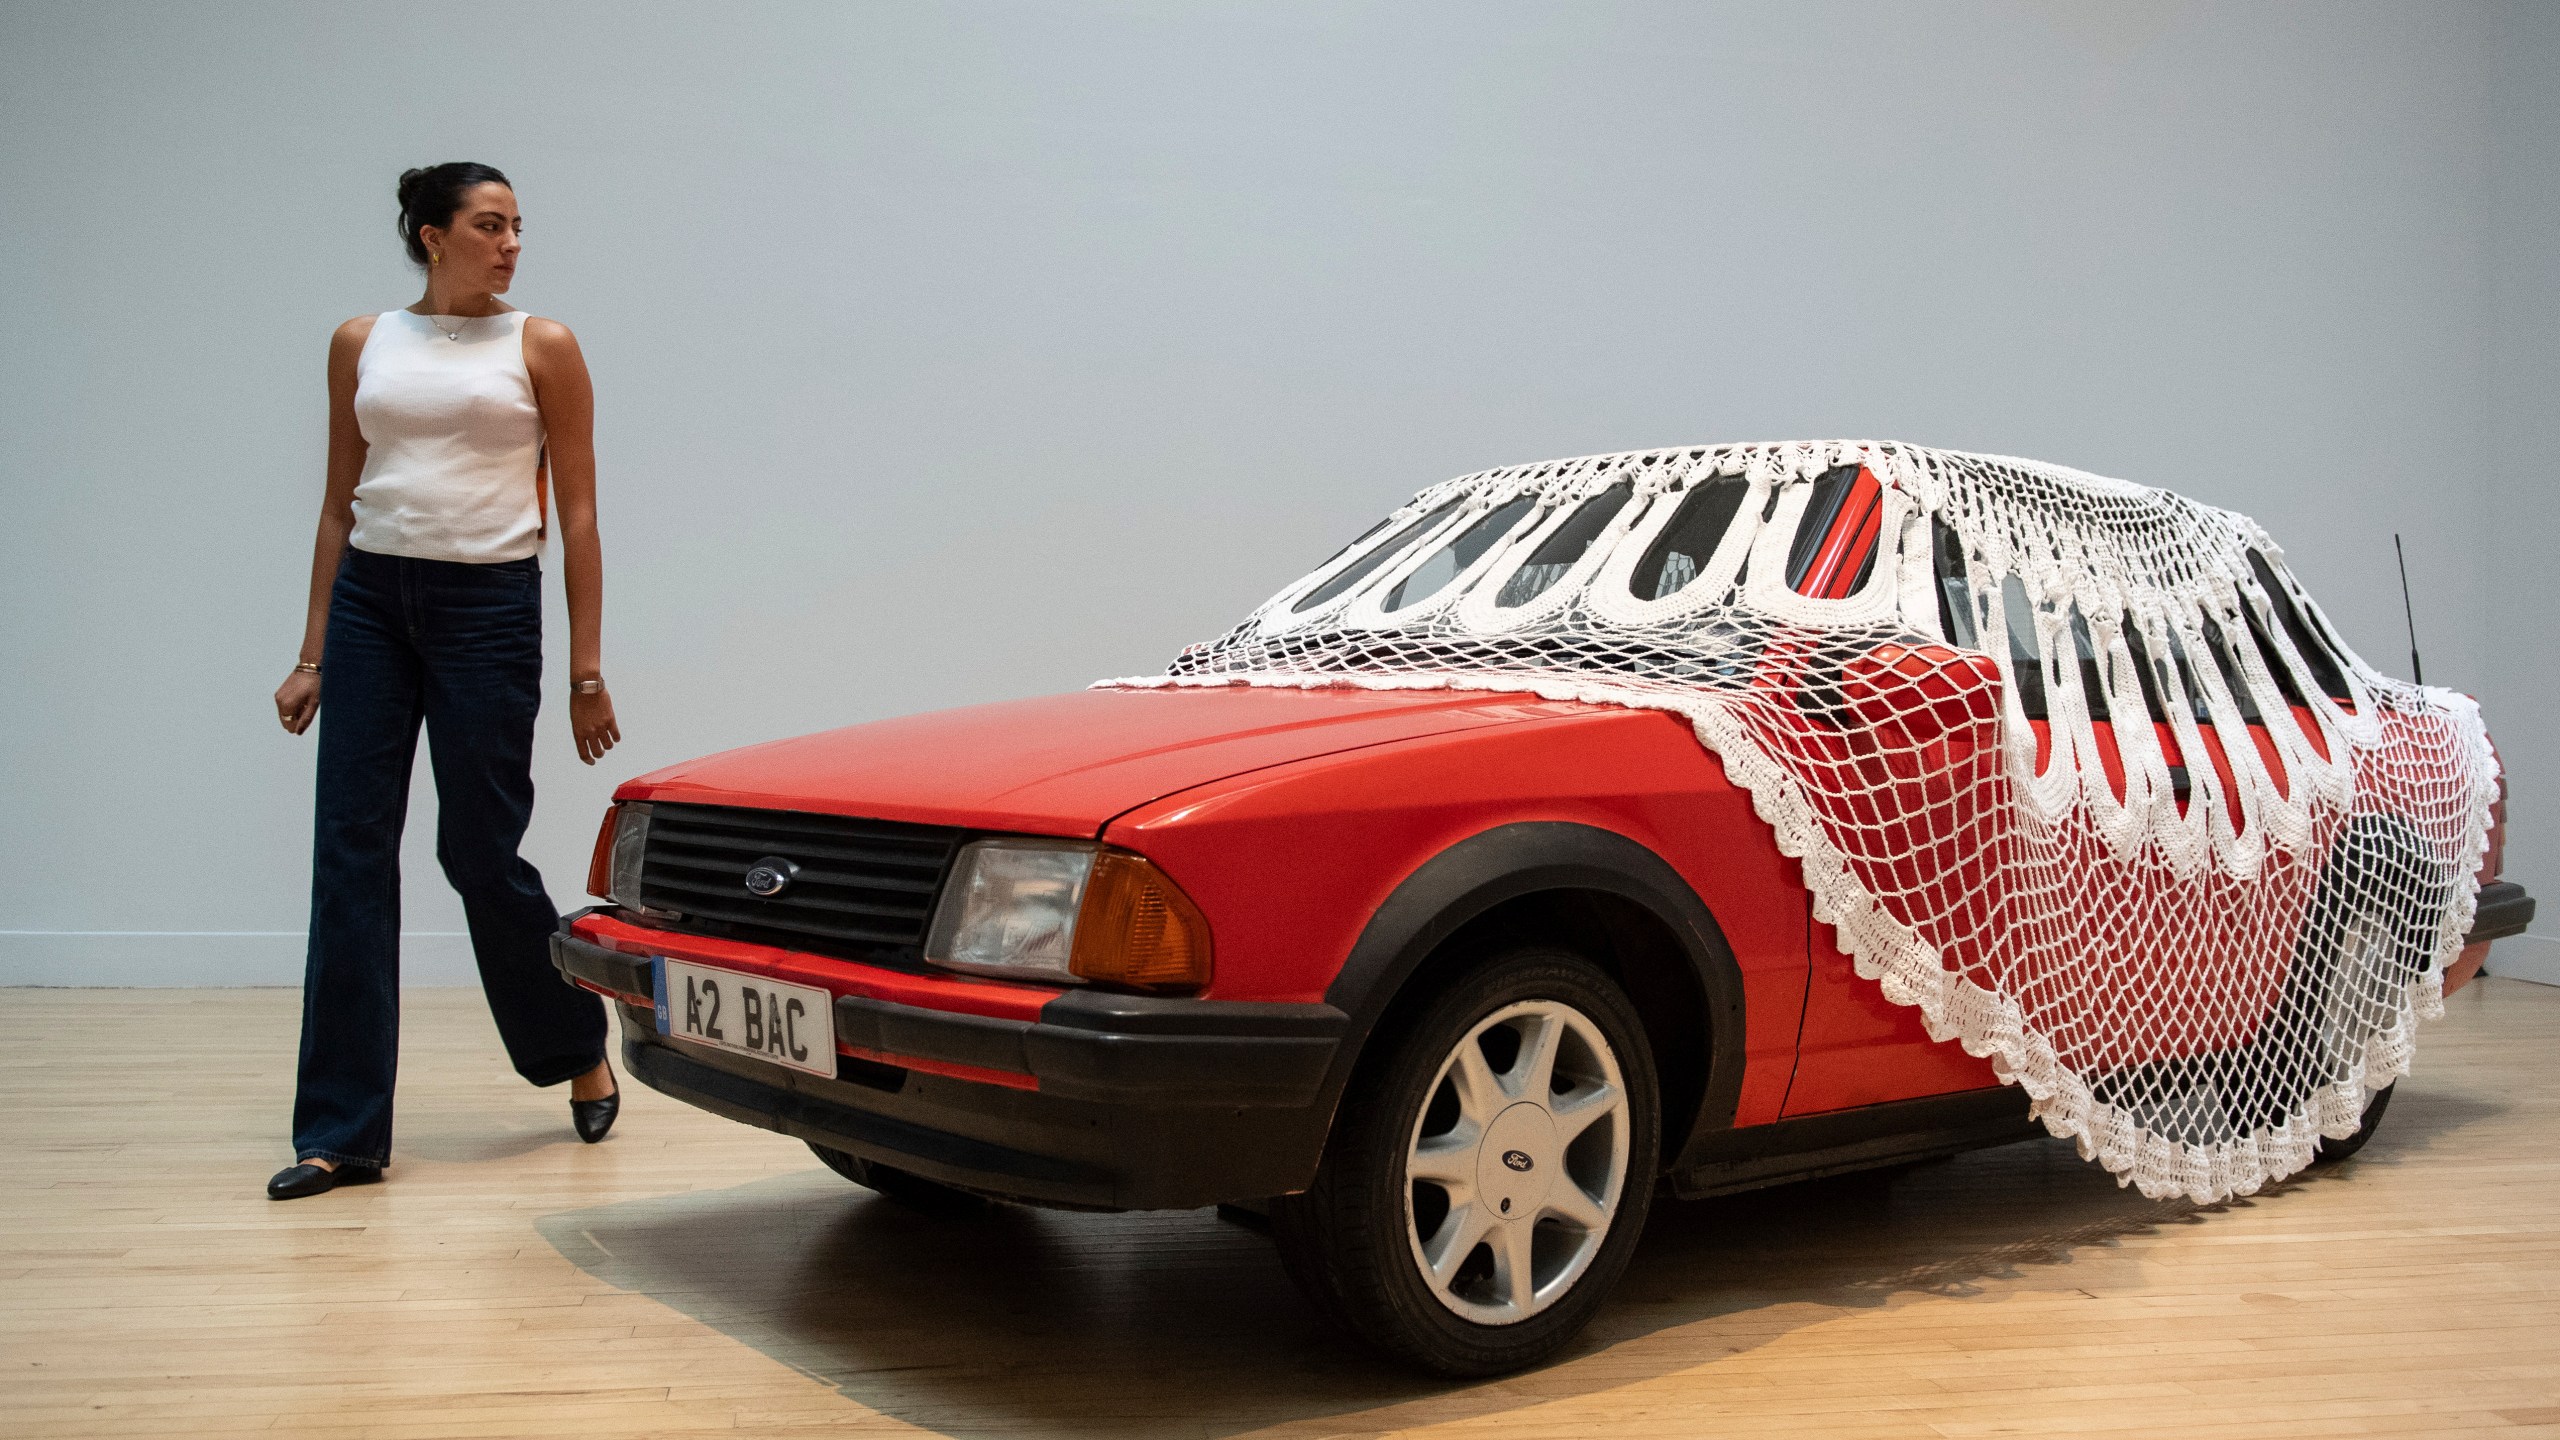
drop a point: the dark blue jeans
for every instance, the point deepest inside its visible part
(458, 647)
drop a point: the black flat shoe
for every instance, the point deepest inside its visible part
(592, 1118)
(296, 1181)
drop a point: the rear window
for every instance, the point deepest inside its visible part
(2148, 676)
(2028, 662)
(1681, 550)
(2229, 665)
(2326, 672)
(2092, 681)
(2267, 656)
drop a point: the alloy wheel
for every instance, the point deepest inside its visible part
(1517, 1163)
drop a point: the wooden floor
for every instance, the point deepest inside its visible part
(692, 1275)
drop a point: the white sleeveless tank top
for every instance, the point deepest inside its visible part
(453, 440)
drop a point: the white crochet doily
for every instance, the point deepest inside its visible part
(2195, 1001)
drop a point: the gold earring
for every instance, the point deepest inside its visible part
(435, 257)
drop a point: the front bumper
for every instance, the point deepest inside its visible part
(1108, 1101)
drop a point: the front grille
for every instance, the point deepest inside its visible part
(864, 889)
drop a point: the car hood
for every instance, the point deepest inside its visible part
(1066, 764)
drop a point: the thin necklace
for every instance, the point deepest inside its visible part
(459, 321)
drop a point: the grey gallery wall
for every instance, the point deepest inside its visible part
(949, 352)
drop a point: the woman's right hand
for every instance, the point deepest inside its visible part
(298, 701)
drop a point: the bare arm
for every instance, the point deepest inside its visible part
(567, 399)
(298, 699)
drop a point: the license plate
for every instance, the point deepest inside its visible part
(773, 1020)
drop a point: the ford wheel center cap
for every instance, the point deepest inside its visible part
(770, 876)
(1518, 1161)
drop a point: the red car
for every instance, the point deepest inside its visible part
(1445, 981)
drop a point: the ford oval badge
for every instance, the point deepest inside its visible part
(1518, 1159)
(770, 876)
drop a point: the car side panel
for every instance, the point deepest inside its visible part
(1861, 1049)
(1290, 863)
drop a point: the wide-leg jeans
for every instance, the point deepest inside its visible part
(457, 648)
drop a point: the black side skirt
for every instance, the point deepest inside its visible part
(1860, 1139)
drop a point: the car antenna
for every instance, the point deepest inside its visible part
(2416, 672)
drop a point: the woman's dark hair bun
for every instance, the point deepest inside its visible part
(430, 194)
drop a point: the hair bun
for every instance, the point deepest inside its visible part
(430, 194)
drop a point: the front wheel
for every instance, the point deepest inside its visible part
(1489, 1173)
(904, 1186)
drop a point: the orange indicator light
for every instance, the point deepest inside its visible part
(1138, 928)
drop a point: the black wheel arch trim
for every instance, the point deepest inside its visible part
(1470, 878)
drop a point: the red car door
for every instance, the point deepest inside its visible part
(1855, 1046)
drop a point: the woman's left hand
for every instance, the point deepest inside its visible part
(591, 722)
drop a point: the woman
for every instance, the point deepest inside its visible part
(426, 607)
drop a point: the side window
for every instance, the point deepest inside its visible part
(2026, 652)
(1835, 547)
(2325, 670)
(1454, 557)
(1551, 560)
(1955, 591)
(1677, 554)
(1369, 564)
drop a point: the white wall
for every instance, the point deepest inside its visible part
(955, 351)
(2522, 683)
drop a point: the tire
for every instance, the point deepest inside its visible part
(907, 1188)
(2333, 1151)
(2368, 935)
(1431, 1147)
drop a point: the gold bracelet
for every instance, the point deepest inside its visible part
(307, 667)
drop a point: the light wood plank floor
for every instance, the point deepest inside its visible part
(691, 1275)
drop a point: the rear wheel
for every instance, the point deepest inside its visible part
(1489, 1173)
(2333, 1151)
(904, 1186)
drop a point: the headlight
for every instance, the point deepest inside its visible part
(1065, 911)
(1010, 909)
(630, 846)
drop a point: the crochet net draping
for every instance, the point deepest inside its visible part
(2073, 766)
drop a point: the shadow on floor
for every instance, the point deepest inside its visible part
(1180, 1324)
(455, 1146)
